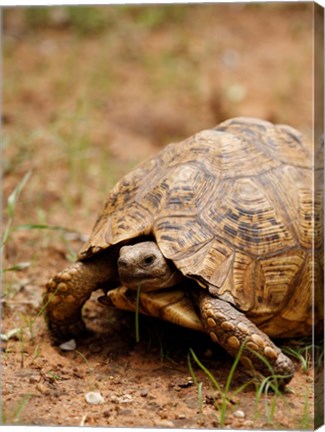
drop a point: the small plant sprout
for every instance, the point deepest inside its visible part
(274, 381)
(306, 352)
(21, 406)
(11, 206)
(223, 394)
(196, 383)
(53, 376)
(264, 386)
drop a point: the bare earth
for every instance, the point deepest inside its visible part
(82, 105)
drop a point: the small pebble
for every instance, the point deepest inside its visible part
(126, 412)
(248, 423)
(182, 416)
(10, 334)
(42, 389)
(34, 380)
(126, 399)
(144, 393)
(121, 399)
(186, 384)
(164, 423)
(79, 375)
(94, 398)
(239, 414)
(69, 345)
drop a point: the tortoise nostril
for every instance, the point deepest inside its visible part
(122, 262)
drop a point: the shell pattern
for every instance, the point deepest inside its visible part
(234, 208)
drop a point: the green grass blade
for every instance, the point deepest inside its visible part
(16, 267)
(233, 368)
(13, 197)
(11, 204)
(42, 227)
(196, 383)
(298, 355)
(200, 397)
(206, 371)
(273, 377)
(190, 368)
(6, 233)
(21, 406)
(243, 386)
(82, 356)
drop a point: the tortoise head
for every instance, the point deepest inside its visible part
(143, 264)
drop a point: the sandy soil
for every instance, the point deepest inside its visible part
(83, 102)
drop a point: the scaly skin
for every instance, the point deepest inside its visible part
(67, 292)
(222, 321)
(231, 328)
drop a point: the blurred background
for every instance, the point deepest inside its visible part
(91, 91)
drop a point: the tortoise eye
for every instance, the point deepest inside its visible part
(149, 259)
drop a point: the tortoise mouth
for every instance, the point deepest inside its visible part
(149, 281)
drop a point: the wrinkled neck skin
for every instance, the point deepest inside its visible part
(102, 269)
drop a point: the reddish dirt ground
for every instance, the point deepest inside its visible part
(87, 95)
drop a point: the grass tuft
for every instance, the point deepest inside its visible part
(20, 407)
(225, 399)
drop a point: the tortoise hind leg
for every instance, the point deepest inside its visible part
(230, 328)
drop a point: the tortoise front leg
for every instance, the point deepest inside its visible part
(67, 292)
(230, 328)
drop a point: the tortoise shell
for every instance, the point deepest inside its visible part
(233, 207)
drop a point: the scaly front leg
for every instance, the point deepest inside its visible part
(230, 328)
(67, 292)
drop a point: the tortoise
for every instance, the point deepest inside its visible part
(229, 219)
